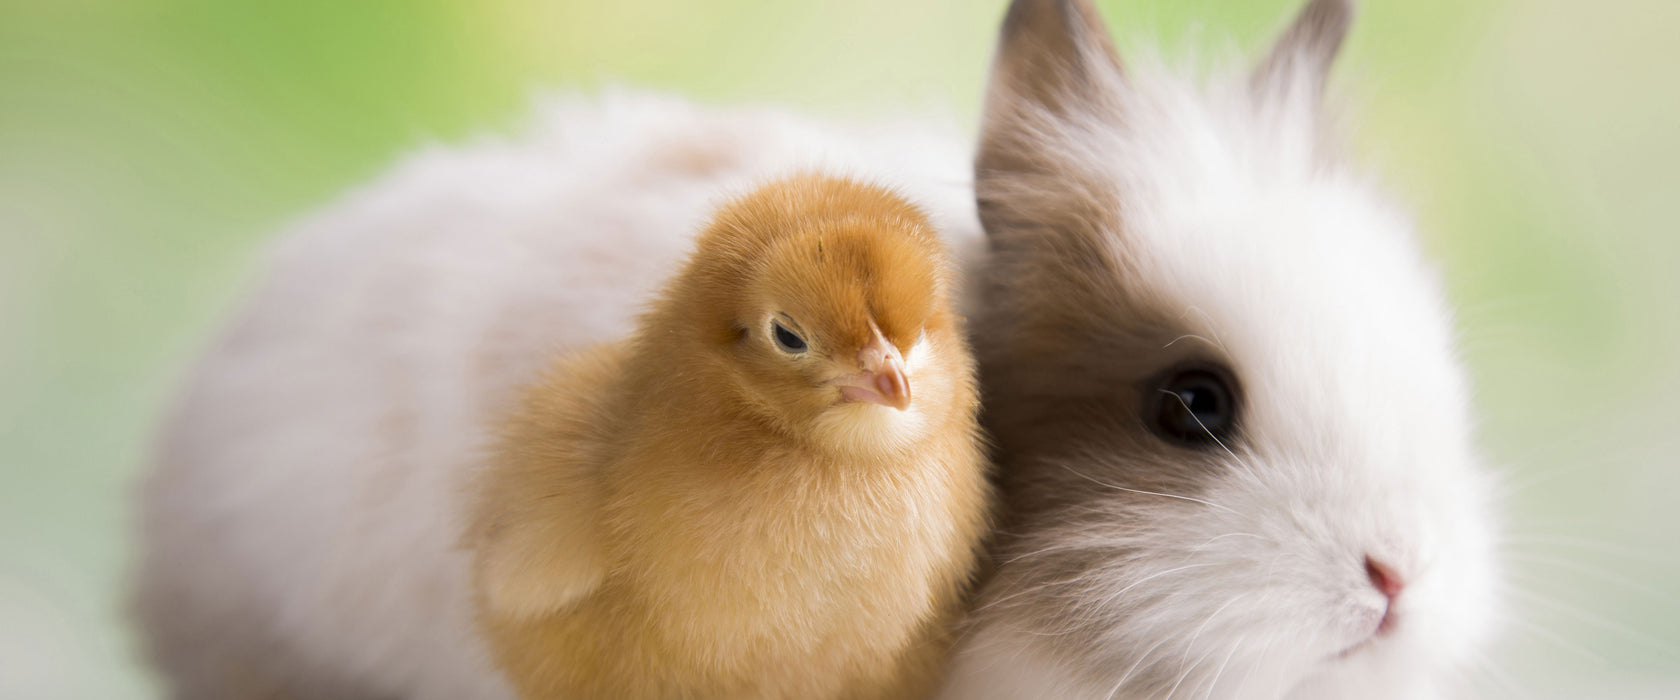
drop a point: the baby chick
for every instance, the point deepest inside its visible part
(774, 489)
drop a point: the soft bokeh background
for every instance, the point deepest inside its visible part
(148, 146)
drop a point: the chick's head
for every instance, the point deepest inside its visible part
(826, 303)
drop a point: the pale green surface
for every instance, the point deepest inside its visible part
(146, 146)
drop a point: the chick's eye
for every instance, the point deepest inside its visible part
(788, 341)
(1193, 407)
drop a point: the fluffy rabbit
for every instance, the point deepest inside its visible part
(301, 527)
(1234, 438)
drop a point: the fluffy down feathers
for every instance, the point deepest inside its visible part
(702, 512)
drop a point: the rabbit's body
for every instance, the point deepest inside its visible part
(302, 525)
(1152, 236)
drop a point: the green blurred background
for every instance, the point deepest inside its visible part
(148, 146)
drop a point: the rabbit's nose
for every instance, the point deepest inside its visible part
(1384, 578)
(1387, 582)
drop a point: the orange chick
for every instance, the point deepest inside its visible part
(774, 489)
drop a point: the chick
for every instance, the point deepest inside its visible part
(774, 489)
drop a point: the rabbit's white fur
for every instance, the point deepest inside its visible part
(300, 526)
(1219, 228)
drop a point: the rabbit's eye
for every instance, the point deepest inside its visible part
(1193, 407)
(786, 340)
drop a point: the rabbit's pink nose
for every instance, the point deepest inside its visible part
(1384, 578)
(1389, 583)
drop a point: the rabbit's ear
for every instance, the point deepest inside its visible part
(1056, 80)
(1299, 62)
(1052, 56)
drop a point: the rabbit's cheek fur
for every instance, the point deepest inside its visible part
(1259, 581)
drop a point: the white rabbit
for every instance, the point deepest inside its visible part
(300, 527)
(1233, 436)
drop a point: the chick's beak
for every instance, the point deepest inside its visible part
(883, 380)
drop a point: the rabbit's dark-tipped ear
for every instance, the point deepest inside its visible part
(1056, 75)
(1298, 64)
(1052, 55)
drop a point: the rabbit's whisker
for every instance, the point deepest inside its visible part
(1240, 462)
(1587, 543)
(1211, 326)
(1204, 339)
(1118, 487)
(1217, 538)
(1112, 597)
(1596, 621)
(1599, 573)
(1257, 661)
(1222, 666)
(1134, 669)
(1064, 547)
(1542, 633)
(1192, 643)
(1184, 674)
(1023, 591)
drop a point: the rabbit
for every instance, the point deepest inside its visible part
(1233, 436)
(301, 527)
